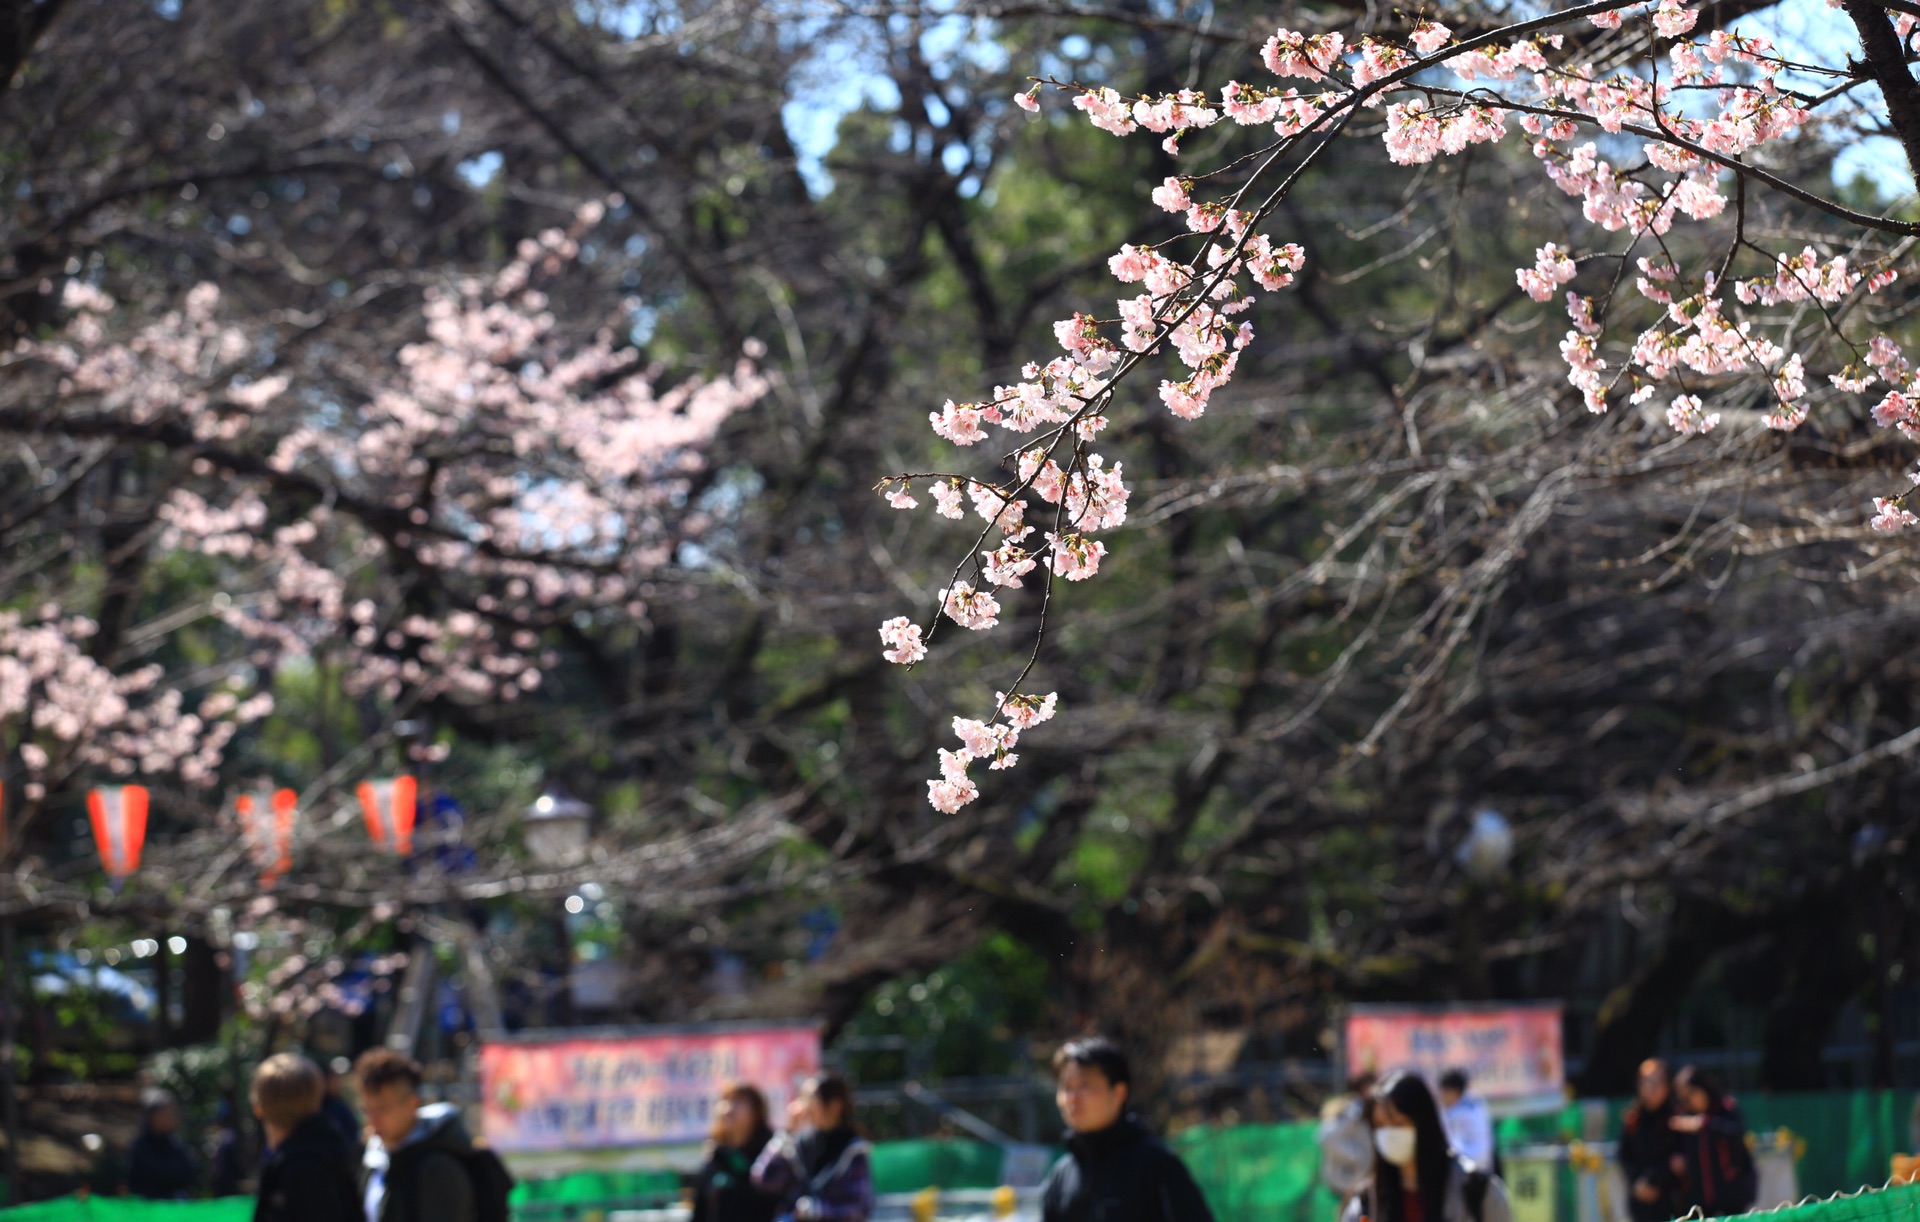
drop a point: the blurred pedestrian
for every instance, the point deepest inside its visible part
(1720, 1177)
(826, 1171)
(160, 1167)
(1114, 1170)
(421, 1165)
(1468, 1120)
(724, 1190)
(337, 1111)
(1346, 1139)
(309, 1174)
(1417, 1175)
(226, 1156)
(1648, 1147)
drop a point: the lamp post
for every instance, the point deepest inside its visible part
(1488, 848)
(558, 825)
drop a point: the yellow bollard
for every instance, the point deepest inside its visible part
(1005, 1201)
(926, 1203)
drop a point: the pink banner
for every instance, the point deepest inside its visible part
(632, 1090)
(1509, 1052)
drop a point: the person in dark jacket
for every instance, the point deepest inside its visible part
(414, 1169)
(160, 1167)
(226, 1158)
(309, 1172)
(827, 1173)
(337, 1111)
(1721, 1179)
(1648, 1147)
(1417, 1174)
(1114, 1170)
(724, 1190)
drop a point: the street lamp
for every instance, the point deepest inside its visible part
(1488, 848)
(557, 828)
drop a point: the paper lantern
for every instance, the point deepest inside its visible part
(119, 814)
(388, 806)
(266, 822)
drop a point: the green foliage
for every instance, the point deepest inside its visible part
(962, 1019)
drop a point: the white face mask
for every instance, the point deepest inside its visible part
(1395, 1145)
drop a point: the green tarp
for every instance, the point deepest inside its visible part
(1893, 1205)
(595, 1186)
(131, 1209)
(908, 1166)
(1269, 1171)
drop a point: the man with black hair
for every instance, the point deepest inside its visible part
(1114, 1169)
(420, 1165)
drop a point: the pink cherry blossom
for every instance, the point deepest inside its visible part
(1890, 516)
(1430, 36)
(970, 608)
(901, 636)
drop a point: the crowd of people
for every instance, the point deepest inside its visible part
(1683, 1147)
(414, 1161)
(1394, 1151)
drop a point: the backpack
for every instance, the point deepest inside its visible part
(492, 1183)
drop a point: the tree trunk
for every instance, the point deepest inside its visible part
(1632, 1015)
(203, 993)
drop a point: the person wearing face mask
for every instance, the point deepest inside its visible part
(1417, 1174)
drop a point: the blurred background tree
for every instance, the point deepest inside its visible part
(1396, 576)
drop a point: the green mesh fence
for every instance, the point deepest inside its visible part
(1900, 1204)
(595, 1186)
(1268, 1171)
(131, 1209)
(908, 1166)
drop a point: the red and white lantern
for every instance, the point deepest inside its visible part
(388, 806)
(266, 823)
(119, 814)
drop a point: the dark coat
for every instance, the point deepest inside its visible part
(334, 1110)
(825, 1175)
(1647, 1146)
(1121, 1174)
(309, 1177)
(1721, 1177)
(724, 1191)
(161, 1168)
(426, 1178)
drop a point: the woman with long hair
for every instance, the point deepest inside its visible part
(1721, 1179)
(724, 1190)
(1417, 1175)
(826, 1173)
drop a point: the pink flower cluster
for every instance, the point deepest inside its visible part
(66, 710)
(1551, 269)
(1805, 277)
(533, 474)
(993, 742)
(1719, 101)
